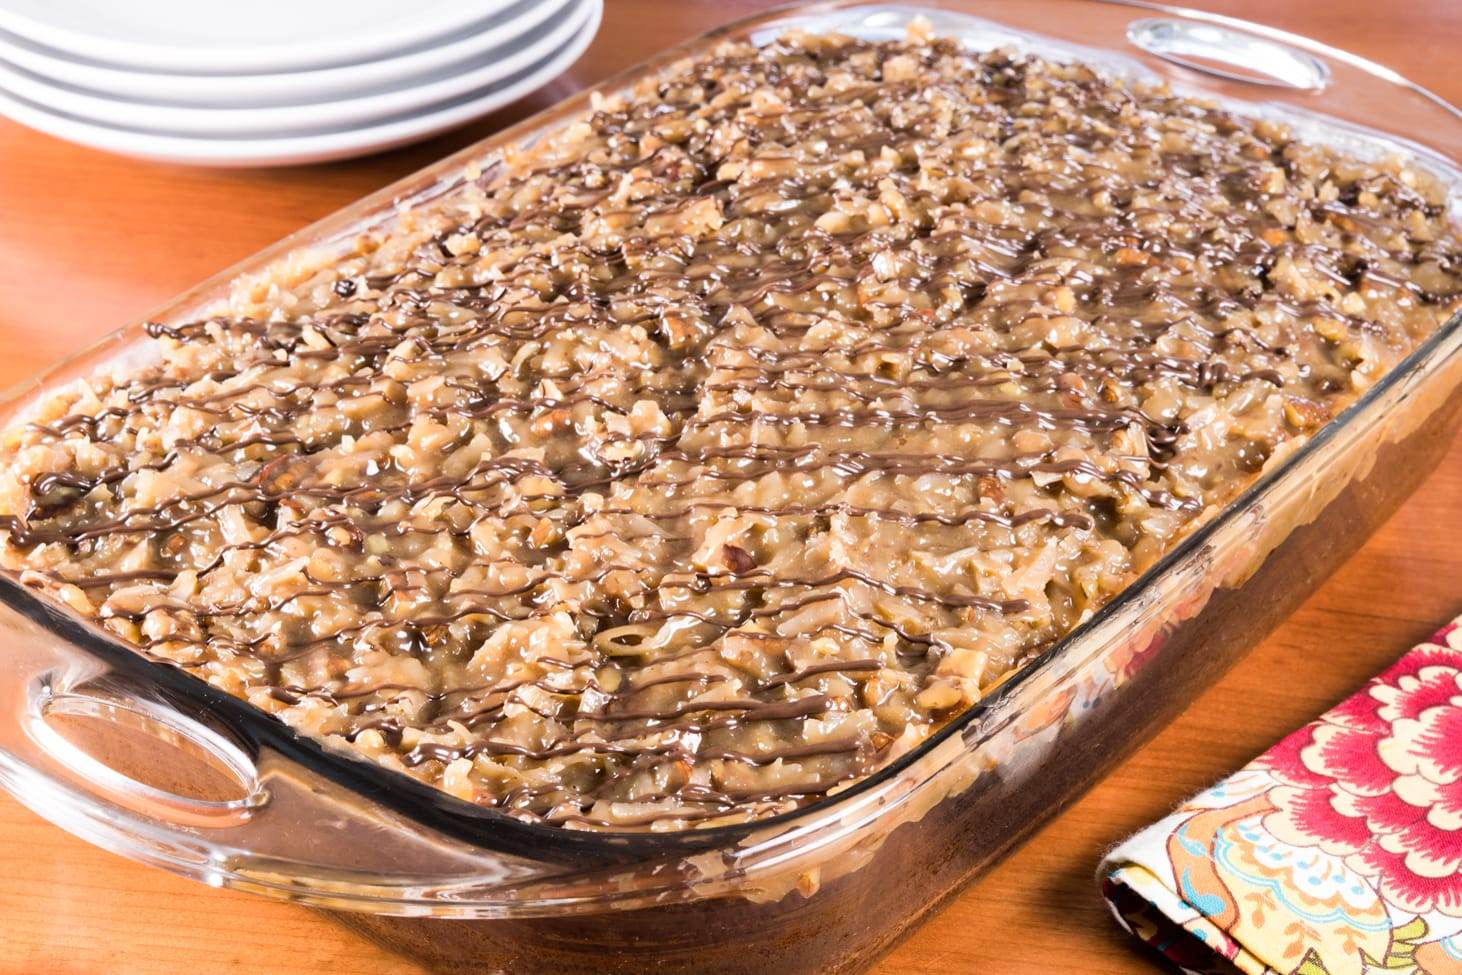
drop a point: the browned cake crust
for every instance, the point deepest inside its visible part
(708, 457)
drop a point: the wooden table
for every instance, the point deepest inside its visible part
(89, 241)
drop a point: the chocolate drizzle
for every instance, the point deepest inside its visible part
(680, 468)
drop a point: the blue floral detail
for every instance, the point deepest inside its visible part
(1196, 847)
(1222, 851)
(1206, 904)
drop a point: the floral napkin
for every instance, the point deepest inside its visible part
(1336, 852)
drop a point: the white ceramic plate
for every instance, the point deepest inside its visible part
(416, 66)
(318, 147)
(492, 67)
(213, 36)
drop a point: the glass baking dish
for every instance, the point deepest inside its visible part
(830, 886)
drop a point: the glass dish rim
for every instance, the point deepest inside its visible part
(490, 829)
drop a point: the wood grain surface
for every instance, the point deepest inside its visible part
(89, 241)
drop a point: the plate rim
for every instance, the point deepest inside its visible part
(262, 121)
(296, 54)
(302, 149)
(254, 89)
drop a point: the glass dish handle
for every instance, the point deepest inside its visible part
(122, 766)
(1229, 53)
(112, 714)
(1236, 58)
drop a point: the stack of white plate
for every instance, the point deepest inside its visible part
(275, 82)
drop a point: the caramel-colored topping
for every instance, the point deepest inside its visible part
(713, 454)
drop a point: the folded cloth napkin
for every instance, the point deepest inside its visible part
(1336, 852)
